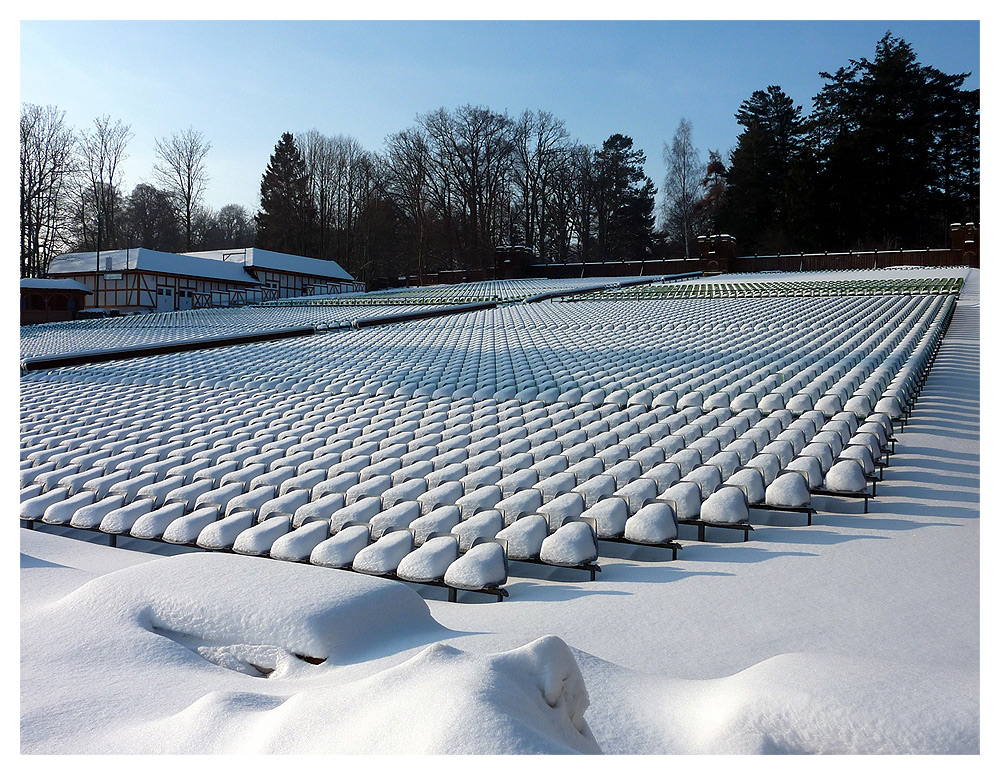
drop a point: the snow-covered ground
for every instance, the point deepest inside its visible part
(859, 634)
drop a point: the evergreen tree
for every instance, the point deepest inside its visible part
(287, 218)
(897, 150)
(761, 168)
(713, 184)
(624, 199)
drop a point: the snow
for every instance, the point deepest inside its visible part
(430, 561)
(727, 505)
(481, 566)
(789, 489)
(525, 536)
(654, 523)
(859, 634)
(846, 476)
(571, 544)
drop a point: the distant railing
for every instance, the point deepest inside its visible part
(653, 266)
(867, 259)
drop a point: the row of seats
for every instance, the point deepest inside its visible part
(463, 358)
(303, 463)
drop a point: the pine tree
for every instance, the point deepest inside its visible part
(897, 150)
(761, 170)
(624, 199)
(287, 219)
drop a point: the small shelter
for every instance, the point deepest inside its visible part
(50, 301)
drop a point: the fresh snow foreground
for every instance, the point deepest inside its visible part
(859, 634)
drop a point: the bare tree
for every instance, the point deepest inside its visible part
(338, 170)
(181, 172)
(235, 226)
(47, 166)
(102, 150)
(541, 142)
(149, 219)
(471, 158)
(407, 184)
(682, 189)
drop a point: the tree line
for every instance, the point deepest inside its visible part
(446, 193)
(887, 158)
(73, 199)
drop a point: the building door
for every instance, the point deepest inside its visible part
(164, 299)
(184, 299)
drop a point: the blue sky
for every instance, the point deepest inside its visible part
(244, 83)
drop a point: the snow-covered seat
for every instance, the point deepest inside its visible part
(482, 567)
(562, 508)
(481, 477)
(416, 470)
(221, 534)
(120, 520)
(556, 485)
(251, 501)
(596, 489)
(445, 494)
(727, 461)
(372, 488)
(406, 491)
(726, 506)
(831, 439)
(789, 490)
(399, 515)
(574, 544)
(152, 524)
(686, 460)
(481, 499)
(284, 505)
(485, 524)
(751, 481)
(846, 476)
(452, 472)
(339, 484)
(821, 451)
(524, 536)
(863, 454)
(61, 511)
(685, 499)
(385, 466)
(440, 520)
(257, 540)
(34, 507)
(340, 549)
(430, 561)
(185, 529)
(810, 467)
(707, 477)
(637, 494)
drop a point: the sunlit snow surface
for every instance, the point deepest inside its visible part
(856, 635)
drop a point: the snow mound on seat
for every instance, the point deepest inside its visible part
(214, 599)
(846, 476)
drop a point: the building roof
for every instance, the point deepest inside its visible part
(146, 260)
(38, 284)
(258, 258)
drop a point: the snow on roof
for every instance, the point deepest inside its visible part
(282, 262)
(35, 283)
(147, 260)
